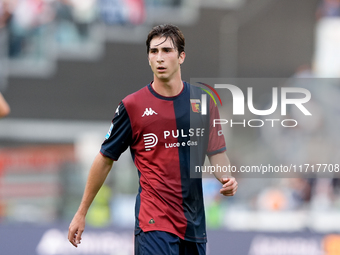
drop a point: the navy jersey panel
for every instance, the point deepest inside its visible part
(168, 137)
(193, 153)
(119, 135)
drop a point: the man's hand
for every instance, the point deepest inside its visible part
(229, 186)
(229, 183)
(76, 229)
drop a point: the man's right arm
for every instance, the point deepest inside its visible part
(99, 170)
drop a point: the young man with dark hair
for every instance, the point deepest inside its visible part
(167, 137)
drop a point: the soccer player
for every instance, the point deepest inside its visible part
(168, 136)
(4, 107)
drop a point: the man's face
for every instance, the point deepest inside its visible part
(164, 59)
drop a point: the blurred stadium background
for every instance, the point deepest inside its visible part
(66, 64)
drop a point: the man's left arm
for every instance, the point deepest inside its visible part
(4, 107)
(229, 183)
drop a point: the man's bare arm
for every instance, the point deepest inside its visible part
(99, 170)
(4, 107)
(229, 183)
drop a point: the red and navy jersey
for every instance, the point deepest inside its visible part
(168, 137)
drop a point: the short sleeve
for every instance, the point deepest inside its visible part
(216, 138)
(119, 136)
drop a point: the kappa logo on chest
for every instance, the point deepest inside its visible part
(149, 112)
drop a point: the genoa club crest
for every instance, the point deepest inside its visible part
(195, 105)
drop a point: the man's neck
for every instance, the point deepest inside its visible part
(168, 89)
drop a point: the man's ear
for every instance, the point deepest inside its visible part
(181, 57)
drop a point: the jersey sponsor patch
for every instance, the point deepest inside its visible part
(109, 132)
(150, 140)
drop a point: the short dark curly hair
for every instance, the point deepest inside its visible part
(167, 31)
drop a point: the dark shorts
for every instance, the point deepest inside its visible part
(164, 243)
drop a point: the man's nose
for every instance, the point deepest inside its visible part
(160, 57)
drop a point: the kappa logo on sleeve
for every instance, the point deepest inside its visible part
(117, 110)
